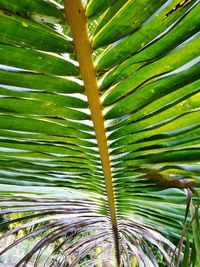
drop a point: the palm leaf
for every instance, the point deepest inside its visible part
(100, 129)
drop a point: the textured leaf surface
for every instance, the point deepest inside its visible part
(27, 33)
(36, 61)
(37, 10)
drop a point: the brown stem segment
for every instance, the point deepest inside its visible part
(77, 21)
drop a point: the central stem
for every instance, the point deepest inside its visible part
(76, 19)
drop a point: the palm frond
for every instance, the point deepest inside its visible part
(99, 126)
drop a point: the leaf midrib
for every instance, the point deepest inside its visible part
(76, 19)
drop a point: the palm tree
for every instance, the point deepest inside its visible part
(100, 130)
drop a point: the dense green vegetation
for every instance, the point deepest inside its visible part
(100, 132)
